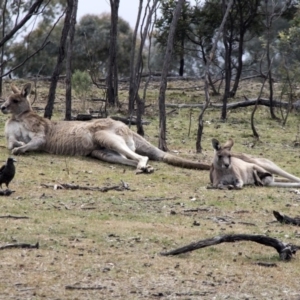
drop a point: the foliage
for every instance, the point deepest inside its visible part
(81, 84)
(90, 49)
(91, 45)
(16, 50)
(163, 23)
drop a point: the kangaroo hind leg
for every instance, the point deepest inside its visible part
(120, 152)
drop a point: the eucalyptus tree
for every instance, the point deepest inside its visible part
(69, 61)
(62, 50)
(18, 17)
(242, 18)
(92, 45)
(162, 144)
(143, 23)
(112, 70)
(163, 24)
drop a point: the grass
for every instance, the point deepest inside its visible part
(111, 241)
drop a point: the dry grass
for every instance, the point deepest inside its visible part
(110, 242)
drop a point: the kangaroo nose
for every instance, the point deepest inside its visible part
(226, 166)
(3, 107)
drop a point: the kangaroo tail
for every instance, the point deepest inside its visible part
(143, 147)
(285, 184)
(185, 163)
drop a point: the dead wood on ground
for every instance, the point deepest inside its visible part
(285, 219)
(6, 192)
(78, 287)
(246, 103)
(13, 217)
(286, 251)
(20, 245)
(68, 186)
(160, 198)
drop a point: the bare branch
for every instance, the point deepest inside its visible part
(286, 251)
(32, 11)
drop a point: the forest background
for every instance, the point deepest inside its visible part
(209, 69)
(218, 43)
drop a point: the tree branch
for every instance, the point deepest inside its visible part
(285, 251)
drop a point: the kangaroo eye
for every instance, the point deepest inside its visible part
(220, 157)
(15, 101)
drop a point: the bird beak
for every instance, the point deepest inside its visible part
(14, 160)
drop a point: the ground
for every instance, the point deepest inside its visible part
(107, 245)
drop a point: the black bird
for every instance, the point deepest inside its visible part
(7, 172)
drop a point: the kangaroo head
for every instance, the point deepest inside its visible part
(17, 103)
(222, 158)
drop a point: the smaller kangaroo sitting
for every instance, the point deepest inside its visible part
(234, 170)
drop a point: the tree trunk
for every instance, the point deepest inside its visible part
(163, 85)
(68, 114)
(181, 62)
(208, 79)
(132, 78)
(2, 65)
(239, 66)
(227, 63)
(270, 80)
(60, 59)
(112, 76)
(136, 66)
(140, 111)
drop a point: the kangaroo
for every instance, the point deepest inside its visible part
(105, 139)
(234, 170)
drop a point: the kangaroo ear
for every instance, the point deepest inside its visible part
(14, 89)
(216, 145)
(26, 90)
(228, 145)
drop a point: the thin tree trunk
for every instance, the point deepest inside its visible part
(132, 79)
(162, 144)
(227, 63)
(112, 77)
(181, 62)
(239, 66)
(207, 79)
(2, 65)
(60, 59)
(68, 114)
(273, 116)
(137, 68)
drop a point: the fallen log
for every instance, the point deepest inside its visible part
(285, 251)
(286, 219)
(234, 105)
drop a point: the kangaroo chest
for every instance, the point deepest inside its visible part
(18, 130)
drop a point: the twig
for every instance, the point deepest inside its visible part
(285, 251)
(285, 219)
(13, 217)
(266, 264)
(6, 192)
(68, 186)
(160, 199)
(74, 287)
(20, 245)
